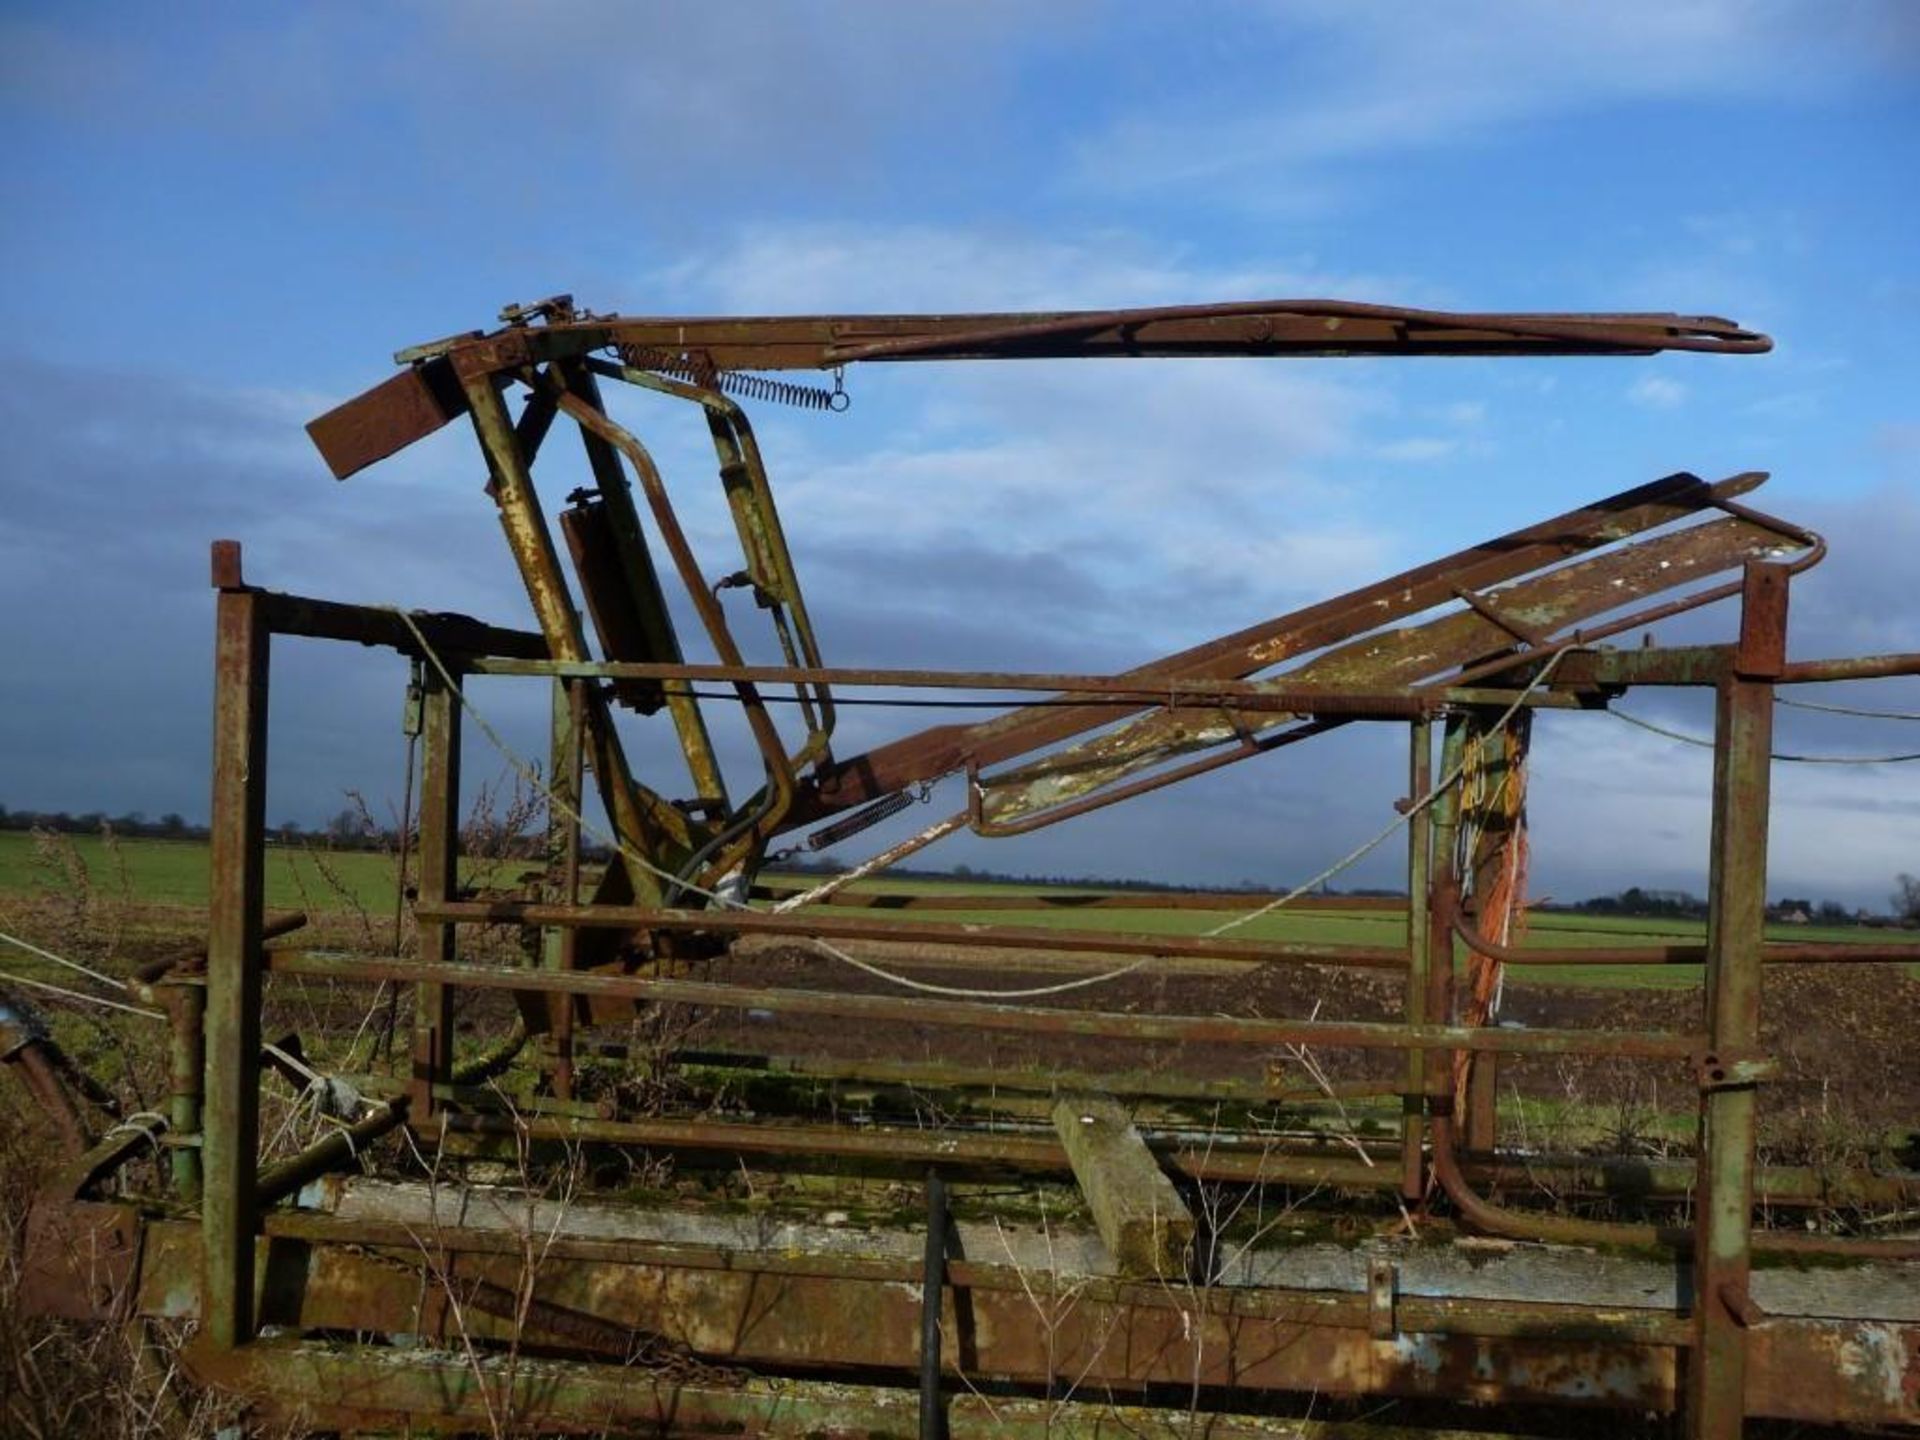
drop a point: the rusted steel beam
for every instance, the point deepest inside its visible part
(449, 634)
(370, 625)
(1736, 924)
(237, 860)
(194, 957)
(439, 881)
(419, 400)
(1866, 667)
(922, 1010)
(790, 1308)
(1859, 1372)
(441, 1393)
(978, 1150)
(1259, 647)
(1251, 327)
(1784, 952)
(579, 1271)
(1551, 601)
(1036, 1080)
(559, 948)
(1641, 665)
(1396, 702)
(855, 927)
(1413, 1176)
(776, 887)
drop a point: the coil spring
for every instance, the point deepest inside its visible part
(860, 819)
(696, 369)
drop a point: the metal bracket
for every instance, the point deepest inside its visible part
(1740, 1304)
(1730, 1070)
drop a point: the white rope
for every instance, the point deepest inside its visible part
(1686, 739)
(13, 977)
(90, 973)
(532, 777)
(1366, 847)
(150, 1131)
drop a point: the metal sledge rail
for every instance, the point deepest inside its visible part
(429, 393)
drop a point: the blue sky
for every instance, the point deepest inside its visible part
(223, 219)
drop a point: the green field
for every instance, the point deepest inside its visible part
(174, 873)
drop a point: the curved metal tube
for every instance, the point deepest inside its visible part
(780, 775)
(1495, 1219)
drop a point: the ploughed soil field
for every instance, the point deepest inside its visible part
(1843, 1035)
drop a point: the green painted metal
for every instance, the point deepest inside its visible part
(1222, 1029)
(187, 1065)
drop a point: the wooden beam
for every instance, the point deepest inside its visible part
(1141, 1217)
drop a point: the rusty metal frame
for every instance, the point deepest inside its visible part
(228, 1248)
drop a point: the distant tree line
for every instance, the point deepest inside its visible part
(354, 828)
(170, 826)
(348, 830)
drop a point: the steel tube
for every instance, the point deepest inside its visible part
(1771, 953)
(852, 927)
(1865, 667)
(439, 880)
(921, 1010)
(1413, 1179)
(235, 911)
(1736, 927)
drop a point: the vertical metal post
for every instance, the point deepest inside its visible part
(229, 1214)
(1481, 1125)
(1443, 891)
(562, 884)
(439, 883)
(187, 1009)
(1736, 917)
(933, 1289)
(1413, 1179)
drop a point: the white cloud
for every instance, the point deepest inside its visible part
(838, 267)
(1656, 392)
(1396, 82)
(1199, 479)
